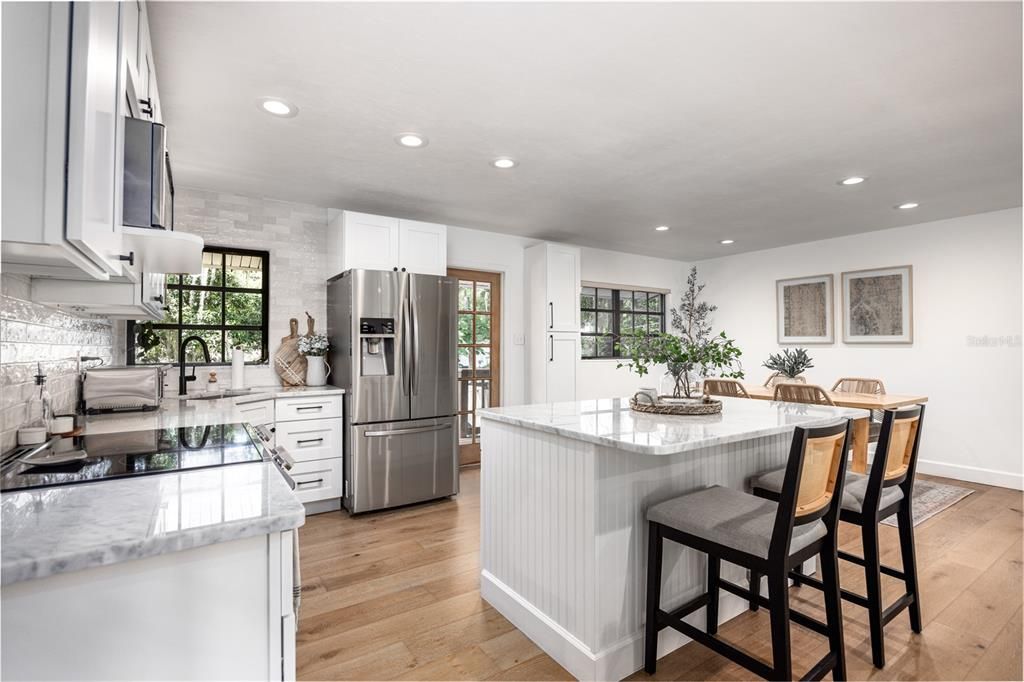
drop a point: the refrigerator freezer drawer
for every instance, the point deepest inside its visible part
(402, 462)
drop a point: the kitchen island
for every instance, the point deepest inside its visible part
(564, 489)
(184, 574)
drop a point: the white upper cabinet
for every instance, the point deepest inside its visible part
(423, 247)
(563, 287)
(373, 242)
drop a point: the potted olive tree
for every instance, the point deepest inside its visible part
(692, 351)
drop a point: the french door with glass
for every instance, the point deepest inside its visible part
(479, 354)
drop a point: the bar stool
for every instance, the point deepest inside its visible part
(887, 489)
(764, 536)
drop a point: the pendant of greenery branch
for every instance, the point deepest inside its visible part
(791, 362)
(692, 351)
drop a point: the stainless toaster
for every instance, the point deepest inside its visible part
(122, 389)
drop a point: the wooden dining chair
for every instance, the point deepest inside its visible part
(864, 385)
(726, 387)
(779, 377)
(811, 394)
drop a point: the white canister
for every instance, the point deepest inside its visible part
(317, 370)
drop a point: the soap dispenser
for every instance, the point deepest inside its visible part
(34, 431)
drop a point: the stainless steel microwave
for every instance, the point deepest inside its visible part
(148, 185)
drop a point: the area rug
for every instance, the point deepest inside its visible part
(930, 498)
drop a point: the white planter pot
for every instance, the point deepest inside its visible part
(317, 370)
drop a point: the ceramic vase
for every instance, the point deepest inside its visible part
(317, 370)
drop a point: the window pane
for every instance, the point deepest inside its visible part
(243, 270)
(604, 299)
(654, 302)
(464, 359)
(604, 346)
(483, 362)
(465, 295)
(639, 300)
(483, 328)
(653, 324)
(212, 338)
(251, 343)
(201, 307)
(243, 308)
(604, 323)
(166, 351)
(465, 328)
(589, 346)
(626, 300)
(483, 296)
(212, 274)
(587, 297)
(625, 324)
(587, 321)
(172, 279)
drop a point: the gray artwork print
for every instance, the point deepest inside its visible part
(876, 306)
(805, 309)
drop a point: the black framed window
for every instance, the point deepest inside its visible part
(227, 305)
(607, 314)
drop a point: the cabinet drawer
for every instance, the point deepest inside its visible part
(293, 409)
(256, 413)
(319, 479)
(311, 438)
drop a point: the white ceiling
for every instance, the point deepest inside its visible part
(720, 120)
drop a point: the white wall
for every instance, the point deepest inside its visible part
(967, 285)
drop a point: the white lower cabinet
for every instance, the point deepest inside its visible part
(560, 366)
(310, 430)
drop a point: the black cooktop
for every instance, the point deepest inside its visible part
(137, 453)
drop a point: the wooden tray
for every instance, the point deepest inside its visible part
(707, 406)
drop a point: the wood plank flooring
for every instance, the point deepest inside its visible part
(395, 595)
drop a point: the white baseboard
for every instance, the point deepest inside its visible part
(613, 663)
(1002, 479)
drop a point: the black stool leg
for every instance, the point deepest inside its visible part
(797, 571)
(905, 522)
(654, 545)
(778, 597)
(755, 589)
(714, 567)
(873, 577)
(829, 564)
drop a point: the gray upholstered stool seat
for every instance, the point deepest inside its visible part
(731, 518)
(853, 490)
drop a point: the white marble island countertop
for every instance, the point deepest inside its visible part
(611, 423)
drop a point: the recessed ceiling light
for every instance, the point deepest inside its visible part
(504, 163)
(411, 140)
(727, 241)
(909, 205)
(661, 228)
(277, 107)
(852, 180)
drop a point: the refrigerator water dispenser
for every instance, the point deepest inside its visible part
(376, 346)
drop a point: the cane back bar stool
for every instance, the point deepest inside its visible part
(864, 385)
(885, 490)
(765, 536)
(811, 394)
(726, 387)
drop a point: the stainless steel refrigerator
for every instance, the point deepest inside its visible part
(393, 339)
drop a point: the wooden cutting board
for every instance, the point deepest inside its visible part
(289, 363)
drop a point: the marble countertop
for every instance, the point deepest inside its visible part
(47, 531)
(610, 422)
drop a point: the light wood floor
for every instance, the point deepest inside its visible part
(395, 596)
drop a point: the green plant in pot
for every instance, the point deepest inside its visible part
(692, 351)
(790, 363)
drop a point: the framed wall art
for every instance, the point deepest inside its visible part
(878, 305)
(804, 310)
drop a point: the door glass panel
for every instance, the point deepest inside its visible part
(465, 429)
(465, 396)
(465, 353)
(483, 361)
(465, 328)
(465, 295)
(483, 393)
(483, 328)
(483, 296)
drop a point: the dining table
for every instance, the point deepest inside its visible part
(861, 427)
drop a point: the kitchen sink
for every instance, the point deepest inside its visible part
(216, 395)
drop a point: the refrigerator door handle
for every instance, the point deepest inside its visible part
(406, 360)
(414, 371)
(402, 432)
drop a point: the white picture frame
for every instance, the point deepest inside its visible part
(804, 310)
(878, 305)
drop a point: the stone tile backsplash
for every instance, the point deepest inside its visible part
(31, 333)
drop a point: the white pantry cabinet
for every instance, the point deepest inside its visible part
(553, 321)
(373, 242)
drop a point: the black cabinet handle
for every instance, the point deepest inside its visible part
(130, 258)
(319, 480)
(551, 358)
(147, 107)
(310, 440)
(159, 299)
(551, 306)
